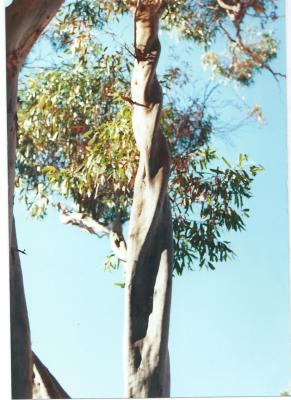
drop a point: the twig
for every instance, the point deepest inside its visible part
(22, 251)
(249, 52)
(130, 101)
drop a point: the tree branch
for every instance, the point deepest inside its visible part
(88, 224)
(257, 58)
(249, 52)
(85, 223)
(229, 5)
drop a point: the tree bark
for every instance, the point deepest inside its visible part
(21, 357)
(25, 20)
(150, 244)
(45, 385)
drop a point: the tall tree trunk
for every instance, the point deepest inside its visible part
(21, 357)
(25, 20)
(150, 248)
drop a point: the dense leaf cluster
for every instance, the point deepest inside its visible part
(207, 201)
(76, 143)
(75, 140)
(248, 45)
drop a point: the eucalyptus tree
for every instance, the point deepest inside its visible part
(25, 20)
(75, 139)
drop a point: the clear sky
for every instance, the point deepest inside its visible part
(229, 333)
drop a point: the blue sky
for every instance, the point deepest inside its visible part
(229, 332)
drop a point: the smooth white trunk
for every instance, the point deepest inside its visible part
(150, 251)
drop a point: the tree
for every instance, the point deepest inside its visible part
(25, 20)
(144, 250)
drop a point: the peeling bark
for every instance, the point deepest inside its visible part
(150, 247)
(25, 20)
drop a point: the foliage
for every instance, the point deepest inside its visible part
(76, 142)
(75, 138)
(212, 200)
(242, 62)
(235, 35)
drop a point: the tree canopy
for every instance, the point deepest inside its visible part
(236, 36)
(75, 135)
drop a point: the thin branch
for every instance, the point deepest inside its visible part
(88, 224)
(117, 39)
(249, 52)
(85, 223)
(257, 58)
(130, 101)
(230, 7)
(22, 251)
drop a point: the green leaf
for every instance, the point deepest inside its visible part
(121, 285)
(226, 162)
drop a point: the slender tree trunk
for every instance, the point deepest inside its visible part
(25, 20)
(21, 357)
(149, 266)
